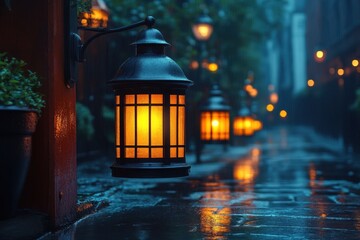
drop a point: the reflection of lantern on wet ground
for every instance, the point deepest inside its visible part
(215, 119)
(246, 169)
(215, 221)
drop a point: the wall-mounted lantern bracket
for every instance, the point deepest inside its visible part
(78, 47)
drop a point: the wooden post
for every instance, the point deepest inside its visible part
(34, 31)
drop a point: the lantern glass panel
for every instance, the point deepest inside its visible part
(129, 125)
(177, 125)
(215, 125)
(156, 126)
(142, 125)
(181, 125)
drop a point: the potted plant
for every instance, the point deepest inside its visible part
(20, 106)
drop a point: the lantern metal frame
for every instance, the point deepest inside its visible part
(150, 72)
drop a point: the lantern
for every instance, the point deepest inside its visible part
(215, 119)
(97, 17)
(243, 123)
(257, 125)
(203, 28)
(150, 112)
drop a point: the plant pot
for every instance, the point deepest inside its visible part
(16, 128)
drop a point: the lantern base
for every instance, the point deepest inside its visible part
(150, 170)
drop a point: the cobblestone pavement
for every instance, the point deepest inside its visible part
(286, 183)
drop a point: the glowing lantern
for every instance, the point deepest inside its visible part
(150, 112)
(215, 119)
(203, 28)
(243, 123)
(257, 125)
(97, 17)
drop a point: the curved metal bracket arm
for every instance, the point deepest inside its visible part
(75, 47)
(80, 47)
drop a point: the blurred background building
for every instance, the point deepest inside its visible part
(313, 64)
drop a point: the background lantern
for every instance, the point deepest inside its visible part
(203, 28)
(243, 123)
(98, 16)
(215, 119)
(257, 125)
(150, 112)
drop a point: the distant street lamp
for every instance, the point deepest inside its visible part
(203, 28)
(149, 107)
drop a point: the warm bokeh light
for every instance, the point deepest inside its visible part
(310, 83)
(341, 82)
(213, 67)
(253, 92)
(271, 88)
(274, 98)
(194, 65)
(340, 72)
(355, 62)
(248, 88)
(319, 56)
(332, 71)
(283, 114)
(270, 107)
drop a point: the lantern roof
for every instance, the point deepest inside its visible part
(150, 64)
(244, 112)
(204, 19)
(216, 101)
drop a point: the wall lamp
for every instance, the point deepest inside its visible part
(149, 106)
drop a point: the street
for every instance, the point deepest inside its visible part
(285, 183)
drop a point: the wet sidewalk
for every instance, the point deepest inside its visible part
(285, 183)
(288, 183)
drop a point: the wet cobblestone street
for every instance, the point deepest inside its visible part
(286, 183)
